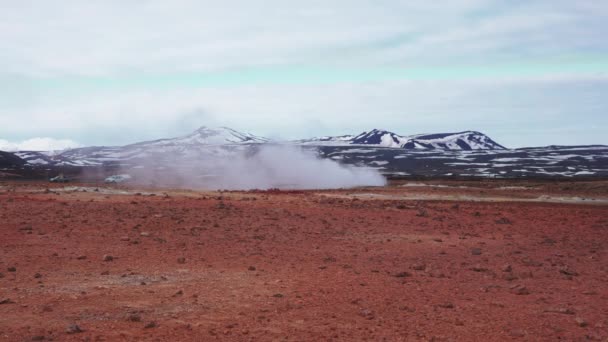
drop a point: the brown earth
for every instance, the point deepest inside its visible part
(472, 261)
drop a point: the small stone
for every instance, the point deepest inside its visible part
(251, 268)
(278, 295)
(125, 238)
(150, 325)
(476, 251)
(403, 274)
(503, 220)
(108, 258)
(12, 269)
(367, 313)
(446, 305)
(568, 272)
(419, 267)
(517, 333)
(181, 260)
(74, 329)
(6, 301)
(565, 311)
(520, 290)
(134, 318)
(37, 275)
(144, 234)
(507, 268)
(38, 338)
(581, 322)
(82, 257)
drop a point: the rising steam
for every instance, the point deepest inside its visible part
(264, 167)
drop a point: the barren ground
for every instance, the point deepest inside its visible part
(477, 261)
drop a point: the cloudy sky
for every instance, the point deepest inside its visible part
(525, 72)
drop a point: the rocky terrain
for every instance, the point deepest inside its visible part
(434, 261)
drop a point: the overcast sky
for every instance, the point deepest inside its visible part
(524, 72)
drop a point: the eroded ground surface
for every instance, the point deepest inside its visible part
(412, 262)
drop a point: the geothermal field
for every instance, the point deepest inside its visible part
(410, 261)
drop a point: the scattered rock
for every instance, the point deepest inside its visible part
(6, 301)
(278, 295)
(581, 322)
(507, 268)
(27, 228)
(38, 338)
(403, 274)
(251, 268)
(520, 290)
(367, 313)
(564, 311)
(503, 220)
(134, 318)
(37, 275)
(150, 325)
(82, 257)
(108, 258)
(144, 234)
(407, 308)
(517, 333)
(181, 260)
(568, 272)
(12, 269)
(548, 241)
(476, 251)
(74, 329)
(478, 269)
(329, 259)
(446, 305)
(419, 267)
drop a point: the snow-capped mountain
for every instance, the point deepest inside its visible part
(208, 136)
(203, 143)
(379, 137)
(468, 140)
(326, 141)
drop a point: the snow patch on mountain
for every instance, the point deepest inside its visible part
(468, 140)
(209, 136)
(461, 141)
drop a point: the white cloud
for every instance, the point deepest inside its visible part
(499, 109)
(156, 36)
(129, 39)
(38, 144)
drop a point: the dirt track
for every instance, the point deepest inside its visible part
(323, 265)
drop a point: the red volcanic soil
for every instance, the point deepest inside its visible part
(300, 266)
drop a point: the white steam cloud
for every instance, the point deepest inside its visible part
(264, 167)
